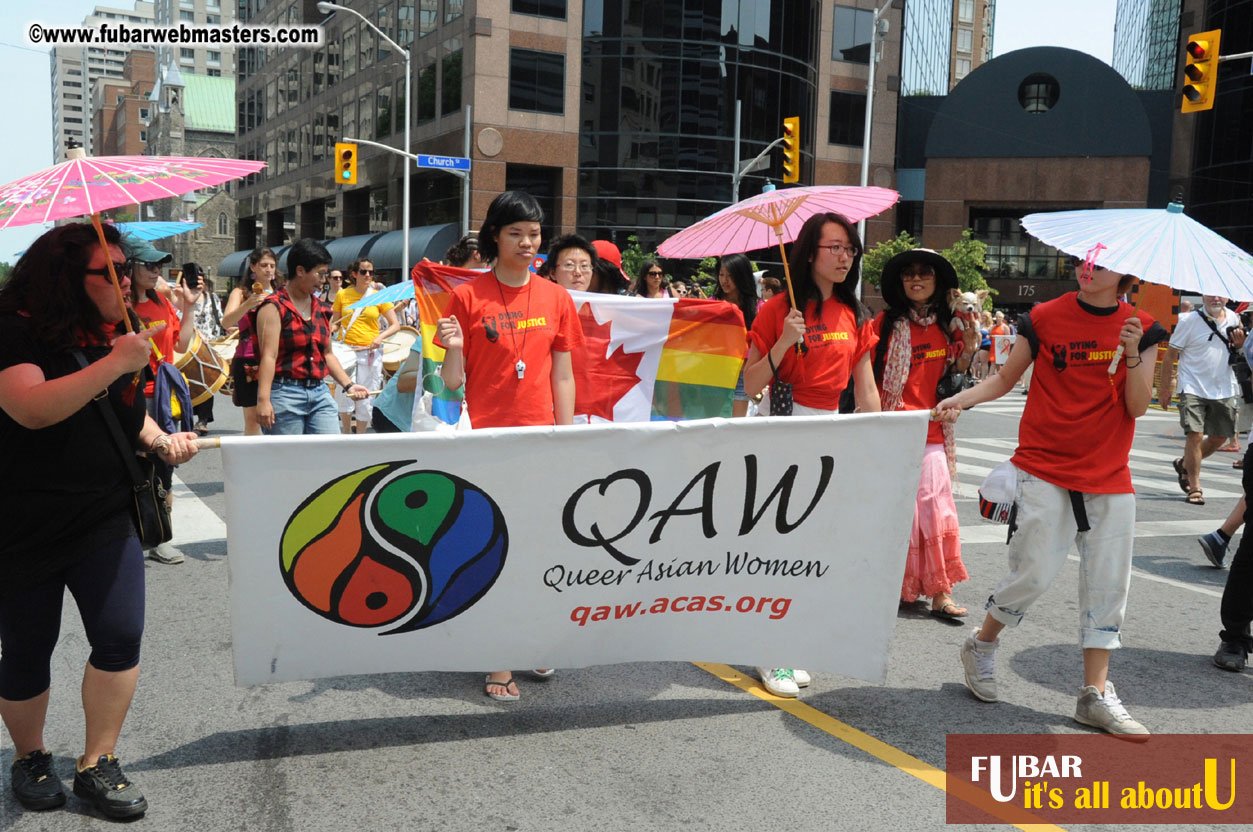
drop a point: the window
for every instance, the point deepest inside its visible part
(847, 120)
(143, 136)
(450, 91)
(222, 225)
(214, 73)
(962, 69)
(850, 39)
(215, 57)
(383, 111)
(213, 19)
(404, 22)
(1038, 92)
(965, 39)
(350, 51)
(537, 81)
(966, 11)
(186, 54)
(187, 17)
(143, 113)
(426, 93)
(428, 17)
(453, 9)
(542, 8)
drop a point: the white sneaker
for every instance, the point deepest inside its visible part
(779, 680)
(1107, 713)
(165, 553)
(979, 664)
(801, 677)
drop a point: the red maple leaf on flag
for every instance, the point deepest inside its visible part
(600, 381)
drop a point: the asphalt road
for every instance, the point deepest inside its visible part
(644, 746)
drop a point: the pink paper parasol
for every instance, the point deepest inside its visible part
(773, 217)
(82, 185)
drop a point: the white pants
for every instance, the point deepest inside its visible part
(1046, 526)
(364, 367)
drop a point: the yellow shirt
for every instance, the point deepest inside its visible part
(366, 328)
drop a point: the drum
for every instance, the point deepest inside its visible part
(225, 348)
(203, 369)
(396, 350)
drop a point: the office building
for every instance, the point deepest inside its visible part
(200, 60)
(74, 73)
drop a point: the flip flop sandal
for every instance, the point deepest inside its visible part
(1195, 498)
(499, 697)
(1183, 475)
(950, 612)
(1238, 465)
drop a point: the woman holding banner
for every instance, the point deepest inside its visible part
(67, 371)
(508, 339)
(836, 337)
(914, 353)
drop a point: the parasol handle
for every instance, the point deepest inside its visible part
(801, 349)
(117, 286)
(1118, 353)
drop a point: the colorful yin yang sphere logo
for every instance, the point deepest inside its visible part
(393, 545)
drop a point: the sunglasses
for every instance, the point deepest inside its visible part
(656, 273)
(365, 271)
(120, 268)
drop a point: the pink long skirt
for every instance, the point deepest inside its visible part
(934, 562)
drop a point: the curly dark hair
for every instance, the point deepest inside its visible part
(460, 252)
(48, 284)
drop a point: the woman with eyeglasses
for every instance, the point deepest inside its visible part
(241, 312)
(360, 344)
(651, 282)
(914, 352)
(68, 497)
(837, 335)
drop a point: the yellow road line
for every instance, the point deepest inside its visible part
(889, 754)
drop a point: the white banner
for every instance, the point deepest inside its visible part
(1002, 346)
(776, 542)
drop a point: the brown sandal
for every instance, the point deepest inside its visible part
(1195, 498)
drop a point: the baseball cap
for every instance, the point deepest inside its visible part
(996, 495)
(144, 251)
(606, 250)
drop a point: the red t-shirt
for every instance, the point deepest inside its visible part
(154, 313)
(1075, 431)
(931, 347)
(500, 325)
(835, 344)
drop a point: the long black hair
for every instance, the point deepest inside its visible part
(805, 249)
(640, 285)
(740, 269)
(506, 209)
(48, 284)
(892, 288)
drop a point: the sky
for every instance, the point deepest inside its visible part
(26, 96)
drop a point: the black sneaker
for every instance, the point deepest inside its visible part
(35, 782)
(1231, 656)
(105, 785)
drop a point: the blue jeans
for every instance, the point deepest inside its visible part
(301, 410)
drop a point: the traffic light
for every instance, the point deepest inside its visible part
(792, 149)
(346, 163)
(1200, 73)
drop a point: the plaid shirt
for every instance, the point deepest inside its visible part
(301, 344)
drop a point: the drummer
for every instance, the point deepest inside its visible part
(154, 310)
(359, 344)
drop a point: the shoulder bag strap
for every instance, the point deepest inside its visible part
(115, 429)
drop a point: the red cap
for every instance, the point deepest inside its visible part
(606, 250)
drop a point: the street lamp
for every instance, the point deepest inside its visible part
(327, 8)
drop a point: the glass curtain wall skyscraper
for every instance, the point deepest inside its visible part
(1146, 39)
(659, 86)
(926, 49)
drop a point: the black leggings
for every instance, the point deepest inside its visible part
(108, 586)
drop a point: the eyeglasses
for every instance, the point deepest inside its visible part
(577, 267)
(120, 268)
(919, 271)
(836, 248)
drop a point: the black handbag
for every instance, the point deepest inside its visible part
(780, 393)
(951, 383)
(148, 509)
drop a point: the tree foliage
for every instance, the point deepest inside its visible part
(966, 254)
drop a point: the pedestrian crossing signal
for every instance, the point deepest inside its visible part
(346, 163)
(792, 149)
(1200, 72)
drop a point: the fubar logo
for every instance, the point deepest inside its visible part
(393, 545)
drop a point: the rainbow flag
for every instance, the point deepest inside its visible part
(643, 359)
(433, 284)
